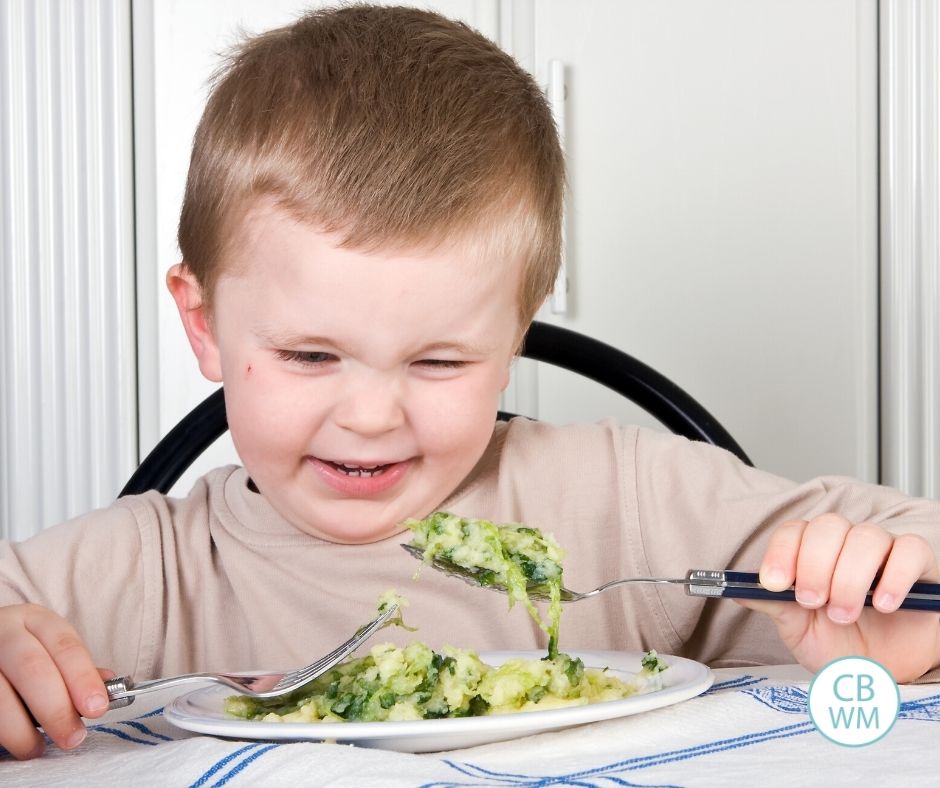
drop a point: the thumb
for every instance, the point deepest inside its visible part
(790, 619)
(793, 622)
(776, 610)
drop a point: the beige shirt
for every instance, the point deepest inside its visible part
(218, 580)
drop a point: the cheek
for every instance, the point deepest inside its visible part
(262, 416)
(460, 419)
(248, 426)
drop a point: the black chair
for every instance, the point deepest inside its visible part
(653, 392)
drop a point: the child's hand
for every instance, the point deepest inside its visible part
(44, 665)
(832, 563)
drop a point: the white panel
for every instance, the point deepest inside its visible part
(149, 264)
(67, 402)
(910, 36)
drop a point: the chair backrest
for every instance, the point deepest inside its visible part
(619, 371)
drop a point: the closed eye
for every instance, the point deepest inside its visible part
(305, 357)
(442, 363)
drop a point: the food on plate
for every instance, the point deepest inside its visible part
(417, 683)
(510, 556)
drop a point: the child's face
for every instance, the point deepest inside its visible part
(360, 388)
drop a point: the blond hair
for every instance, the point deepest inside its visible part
(386, 126)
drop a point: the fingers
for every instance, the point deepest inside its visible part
(778, 569)
(74, 664)
(46, 669)
(832, 563)
(911, 559)
(31, 672)
(822, 543)
(18, 735)
(863, 551)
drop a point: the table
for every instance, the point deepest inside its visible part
(751, 728)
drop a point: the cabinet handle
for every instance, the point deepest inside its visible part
(556, 100)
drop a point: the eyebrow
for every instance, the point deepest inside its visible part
(460, 347)
(293, 340)
(279, 339)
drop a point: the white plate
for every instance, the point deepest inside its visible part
(201, 711)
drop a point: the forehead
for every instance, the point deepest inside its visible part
(266, 232)
(286, 270)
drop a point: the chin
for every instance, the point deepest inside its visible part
(347, 532)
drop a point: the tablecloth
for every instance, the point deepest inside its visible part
(751, 727)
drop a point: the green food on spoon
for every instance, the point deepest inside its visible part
(509, 556)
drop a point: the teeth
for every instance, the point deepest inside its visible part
(360, 470)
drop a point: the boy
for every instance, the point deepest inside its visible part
(370, 223)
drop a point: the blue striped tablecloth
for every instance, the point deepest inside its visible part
(751, 728)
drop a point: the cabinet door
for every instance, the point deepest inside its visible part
(722, 221)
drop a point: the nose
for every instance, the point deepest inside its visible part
(370, 406)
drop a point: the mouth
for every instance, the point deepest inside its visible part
(360, 478)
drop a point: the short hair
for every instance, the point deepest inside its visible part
(387, 126)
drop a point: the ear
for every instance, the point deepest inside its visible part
(187, 293)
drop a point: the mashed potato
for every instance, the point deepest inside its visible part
(417, 683)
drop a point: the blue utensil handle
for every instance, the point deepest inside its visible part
(910, 603)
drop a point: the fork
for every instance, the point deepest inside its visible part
(714, 583)
(123, 690)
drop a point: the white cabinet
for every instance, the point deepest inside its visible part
(722, 223)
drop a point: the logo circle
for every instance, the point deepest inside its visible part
(854, 701)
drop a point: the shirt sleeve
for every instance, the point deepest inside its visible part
(96, 572)
(701, 508)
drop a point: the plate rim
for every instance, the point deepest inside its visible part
(698, 681)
